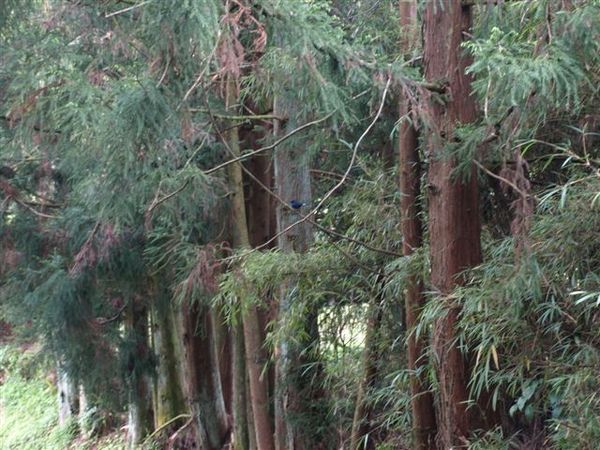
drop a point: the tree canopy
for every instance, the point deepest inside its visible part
(306, 224)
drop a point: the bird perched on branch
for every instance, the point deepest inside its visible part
(296, 204)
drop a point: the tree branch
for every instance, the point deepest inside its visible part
(269, 147)
(124, 10)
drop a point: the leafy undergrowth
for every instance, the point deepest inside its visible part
(29, 416)
(28, 408)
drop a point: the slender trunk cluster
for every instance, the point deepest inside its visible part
(202, 380)
(255, 359)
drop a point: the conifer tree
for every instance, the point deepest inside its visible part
(423, 412)
(454, 224)
(144, 149)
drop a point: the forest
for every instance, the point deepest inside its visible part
(300, 224)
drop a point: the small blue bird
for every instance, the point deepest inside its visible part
(295, 204)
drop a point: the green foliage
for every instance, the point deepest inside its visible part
(28, 413)
(112, 117)
(29, 416)
(508, 75)
(492, 440)
(532, 327)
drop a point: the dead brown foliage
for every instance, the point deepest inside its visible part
(232, 53)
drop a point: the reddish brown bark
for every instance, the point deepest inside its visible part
(260, 212)
(454, 224)
(239, 391)
(258, 384)
(260, 205)
(423, 410)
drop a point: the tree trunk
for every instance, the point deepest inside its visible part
(454, 224)
(68, 398)
(260, 205)
(169, 401)
(423, 411)
(262, 222)
(223, 345)
(88, 416)
(260, 211)
(252, 444)
(294, 392)
(255, 358)
(201, 376)
(140, 400)
(240, 414)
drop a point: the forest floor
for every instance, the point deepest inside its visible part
(28, 406)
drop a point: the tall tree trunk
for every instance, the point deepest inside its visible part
(294, 392)
(262, 222)
(240, 240)
(423, 410)
(239, 400)
(454, 224)
(255, 358)
(168, 401)
(201, 376)
(140, 398)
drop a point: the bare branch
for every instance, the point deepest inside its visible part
(158, 201)
(269, 147)
(504, 180)
(124, 10)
